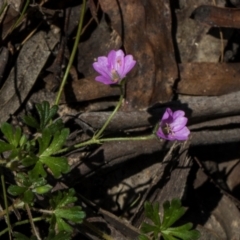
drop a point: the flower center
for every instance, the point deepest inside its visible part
(167, 129)
(115, 75)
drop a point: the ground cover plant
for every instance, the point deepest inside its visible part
(119, 120)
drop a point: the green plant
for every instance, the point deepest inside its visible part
(32, 158)
(173, 211)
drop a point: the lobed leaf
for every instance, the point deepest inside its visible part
(147, 228)
(63, 226)
(29, 161)
(5, 147)
(172, 212)
(183, 232)
(74, 214)
(61, 199)
(62, 203)
(56, 126)
(31, 122)
(44, 141)
(58, 141)
(38, 170)
(7, 130)
(45, 113)
(152, 212)
(57, 165)
(143, 237)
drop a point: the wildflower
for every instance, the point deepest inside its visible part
(114, 67)
(173, 126)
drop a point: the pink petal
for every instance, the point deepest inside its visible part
(101, 66)
(167, 115)
(178, 123)
(129, 63)
(120, 53)
(104, 80)
(119, 63)
(178, 114)
(182, 134)
(111, 57)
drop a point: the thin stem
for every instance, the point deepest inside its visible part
(17, 204)
(141, 138)
(21, 223)
(100, 141)
(6, 203)
(99, 133)
(31, 222)
(73, 53)
(42, 211)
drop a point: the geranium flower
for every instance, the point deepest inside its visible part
(114, 67)
(173, 126)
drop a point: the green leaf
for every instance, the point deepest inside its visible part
(16, 141)
(45, 113)
(183, 232)
(29, 161)
(172, 212)
(13, 136)
(31, 122)
(49, 144)
(37, 181)
(58, 141)
(63, 226)
(56, 126)
(38, 170)
(23, 140)
(57, 165)
(168, 237)
(25, 194)
(147, 228)
(143, 237)
(5, 147)
(17, 136)
(28, 197)
(7, 130)
(16, 190)
(74, 214)
(61, 199)
(42, 189)
(152, 212)
(62, 203)
(44, 141)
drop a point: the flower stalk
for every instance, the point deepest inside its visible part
(121, 99)
(72, 54)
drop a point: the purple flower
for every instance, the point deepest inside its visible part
(114, 67)
(173, 126)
